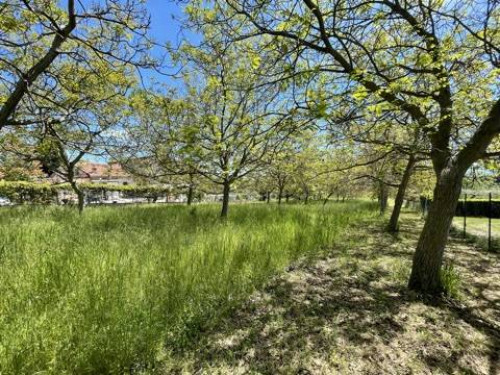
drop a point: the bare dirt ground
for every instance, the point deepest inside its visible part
(350, 313)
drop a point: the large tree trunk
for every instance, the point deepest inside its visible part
(426, 271)
(280, 194)
(225, 199)
(398, 202)
(428, 258)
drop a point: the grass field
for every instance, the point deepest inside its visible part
(477, 230)
(350, 313)
(119, 288)
(478, 226)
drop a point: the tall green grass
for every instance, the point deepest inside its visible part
(110, 291)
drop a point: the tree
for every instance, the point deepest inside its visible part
(13, 168)
(36, 34)
(239, 123)
(307, 161)
(89, 107)
(280, 169)
(371, 125)
(436, 61)
(153, 144)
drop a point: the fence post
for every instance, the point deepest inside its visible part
(465, 214)
(489, 222)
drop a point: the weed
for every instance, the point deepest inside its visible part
(451, 281)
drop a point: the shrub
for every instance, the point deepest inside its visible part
(32, 192)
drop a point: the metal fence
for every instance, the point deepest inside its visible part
(477, 215)
(482, 209)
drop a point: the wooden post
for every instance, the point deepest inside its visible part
(465, 215)
(489, 222)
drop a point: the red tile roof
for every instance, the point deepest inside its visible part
(100, 170)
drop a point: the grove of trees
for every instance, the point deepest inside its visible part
(296, 99)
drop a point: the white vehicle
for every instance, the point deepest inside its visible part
(5, 202)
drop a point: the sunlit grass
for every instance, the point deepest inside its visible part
(110, 291)
(478, 226)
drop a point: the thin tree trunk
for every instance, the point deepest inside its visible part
(268, 197)
(225, 199)
(281, 188)
(80, 196)
(428, 258)
(327, 198)
(190, 195)
(398, 202)
(383, 195)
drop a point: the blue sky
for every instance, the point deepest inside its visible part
(165, 28)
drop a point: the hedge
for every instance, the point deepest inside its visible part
(23, 191)
(475, 208)
(478, 208)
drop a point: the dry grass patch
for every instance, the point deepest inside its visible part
(350, 313)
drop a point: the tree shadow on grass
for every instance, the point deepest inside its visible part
(488, 328)
(293, 324)
(350, 314)
(480, 304)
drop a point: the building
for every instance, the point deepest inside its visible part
(103, 173)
